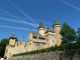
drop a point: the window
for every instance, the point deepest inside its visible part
(43, 44)
(38, 44)
(30, 43)
(6, 51)
(24, 46)
(53, 41)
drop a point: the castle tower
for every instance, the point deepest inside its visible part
(49, 33)
(12, 40)
(30, 36)
(56, 27)
(41, 29)
(23, 40)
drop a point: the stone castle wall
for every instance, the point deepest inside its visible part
(48, 56)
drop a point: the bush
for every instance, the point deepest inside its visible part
(59, 48)
(56, 48)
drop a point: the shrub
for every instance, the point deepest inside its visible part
(56, 48)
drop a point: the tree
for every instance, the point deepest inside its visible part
(68, 34)
(78, 36)
(3, 43)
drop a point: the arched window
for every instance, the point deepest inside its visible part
(24, 46)
(30, 43)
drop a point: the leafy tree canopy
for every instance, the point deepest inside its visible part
(3, 43)
(68, 34)
(78, 36)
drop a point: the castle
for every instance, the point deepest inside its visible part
(44, 38)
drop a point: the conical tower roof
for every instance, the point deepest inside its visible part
(41, 25)
(13, 36)
(55, 22)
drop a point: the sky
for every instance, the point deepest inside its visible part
(19, 16)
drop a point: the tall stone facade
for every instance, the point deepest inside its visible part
(44, 38)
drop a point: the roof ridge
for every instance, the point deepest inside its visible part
(37, 33)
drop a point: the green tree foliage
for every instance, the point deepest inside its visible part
(78, 36)
(3, 43)
(68, 34)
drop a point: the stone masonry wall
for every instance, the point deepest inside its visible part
(47, 56)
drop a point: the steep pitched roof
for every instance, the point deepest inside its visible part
(56, 22)
(41, 25)
(13, 36)
(35, 34)
(49, 30)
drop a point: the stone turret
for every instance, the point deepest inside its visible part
(30, 36)
(56, 27)
(41, 25)
(41, 29)
(55, 22)
(23, 40)
(12, 40)
(13, 36)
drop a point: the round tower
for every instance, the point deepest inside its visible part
(30, 36)
(23, 40)
(41, 29)
(12, 40)
(56, 27)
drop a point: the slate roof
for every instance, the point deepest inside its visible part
(13, 36)
(41, 25)
(35, 34)
(56, 22)
(49, 30)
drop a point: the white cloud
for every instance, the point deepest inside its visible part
(22, 12)
(15, 27)
(70, 5)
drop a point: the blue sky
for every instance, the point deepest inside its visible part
(32, 11)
